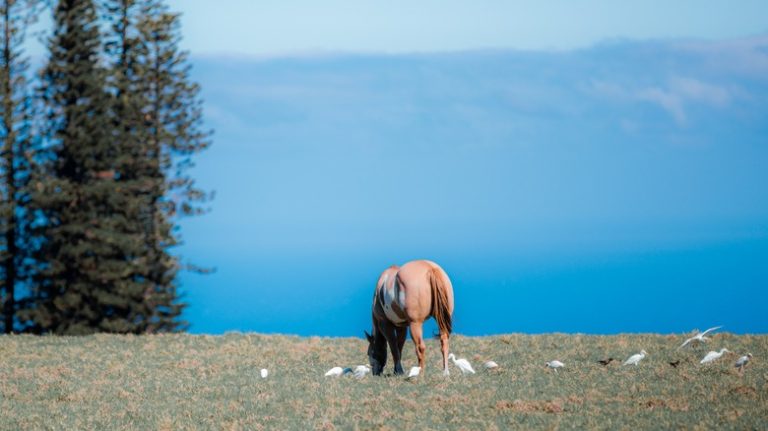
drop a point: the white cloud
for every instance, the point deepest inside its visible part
(746, 56)
(699, 91)
(672, 96)
(670, 102)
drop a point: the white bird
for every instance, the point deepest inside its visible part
(264, 373)
(636, 358)
(742, 361)
(463, 364)
(489, 365)
(337, 371)
(413, 373)
(699, 338)
(361, 370)
(713, 356)
(555, 364)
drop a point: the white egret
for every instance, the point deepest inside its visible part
(264, 373)
(413, 373)
(463, 364)
(713, 356)
(490, 365)
(361, 370)
(636, 358)
(699, 338)
(555, 364)
(336, 372)
(742, 362)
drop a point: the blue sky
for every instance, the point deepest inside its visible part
(599, 168)
(274, 27)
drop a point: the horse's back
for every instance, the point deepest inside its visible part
(387, 275)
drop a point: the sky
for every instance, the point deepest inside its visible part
(277, 28)
(599, 168)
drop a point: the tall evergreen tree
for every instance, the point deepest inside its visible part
(134, 107)
(15, 18)
(124, 51)
(90, 254)
(173, 117)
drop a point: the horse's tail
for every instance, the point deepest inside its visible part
(440, 301)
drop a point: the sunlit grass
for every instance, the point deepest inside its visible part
(212, 382)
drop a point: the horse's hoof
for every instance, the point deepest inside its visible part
(446, 373)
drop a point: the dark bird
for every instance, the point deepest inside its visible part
(675, 363)
(605, 362)
(742, 362)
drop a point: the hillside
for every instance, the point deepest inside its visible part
(173, 382)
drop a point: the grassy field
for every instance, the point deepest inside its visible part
(170, 382)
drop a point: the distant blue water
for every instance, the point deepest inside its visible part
(620, 188)
(663, 290)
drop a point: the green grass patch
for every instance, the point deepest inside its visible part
(170, 382)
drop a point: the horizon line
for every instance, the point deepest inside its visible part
(330, 53)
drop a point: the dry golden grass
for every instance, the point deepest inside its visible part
(171, 382)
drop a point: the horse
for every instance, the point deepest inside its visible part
(404, 298)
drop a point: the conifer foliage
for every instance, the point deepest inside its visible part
(121, 121)
(15, 164)
(158, 118)
(174, 125)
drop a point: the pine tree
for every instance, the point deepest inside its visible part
(91, 252)
(15, 18)
(129, 55)
(173, 118)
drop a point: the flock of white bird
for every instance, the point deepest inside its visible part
(463, 364)
(699, 337)
(359, 371)
(715, 355)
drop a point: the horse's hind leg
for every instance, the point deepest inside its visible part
(418, 340)
(444, 347)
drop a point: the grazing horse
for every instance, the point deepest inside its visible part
(404, 298)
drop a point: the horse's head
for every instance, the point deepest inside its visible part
(377, 352)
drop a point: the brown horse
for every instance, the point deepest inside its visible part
(405, 297)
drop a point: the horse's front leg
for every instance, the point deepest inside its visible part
(391, 333)
(401, 333)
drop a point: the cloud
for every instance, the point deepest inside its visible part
(671, 96)
(695, 90)
(744, 56)
(667, 100)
